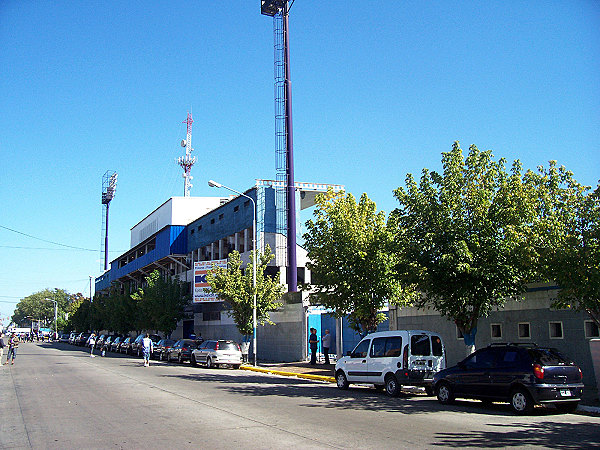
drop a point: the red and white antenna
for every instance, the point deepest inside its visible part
(186, 162)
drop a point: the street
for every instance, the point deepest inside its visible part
(56, 396)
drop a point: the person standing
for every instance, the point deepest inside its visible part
(13, 343)
(1, 347)
(326, 343)
(312, 342)
(92, 342)
(147, 345)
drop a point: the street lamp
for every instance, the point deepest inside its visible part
(213, 183)
(55, 316)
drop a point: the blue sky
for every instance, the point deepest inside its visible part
(87, 87)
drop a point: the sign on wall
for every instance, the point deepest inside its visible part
(201, 287)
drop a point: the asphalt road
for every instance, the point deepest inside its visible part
(56, 396)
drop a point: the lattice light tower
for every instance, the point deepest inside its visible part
(186, 162)
(109, 189)
(284, 136)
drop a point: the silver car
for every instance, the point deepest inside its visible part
(217, 353)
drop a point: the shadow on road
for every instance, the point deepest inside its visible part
(546, 434)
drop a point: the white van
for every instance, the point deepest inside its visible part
(391, 359)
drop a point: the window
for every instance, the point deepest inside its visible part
(483, 359)
(436, 346)
(211, 315)
(524, 331)
(591, 329)
(390, 347)
(378, 348)
(212, 221)
(556, 330)
(220, 216)
(360, 351)
(496, 331)
(199, 227)
(419, 345)
(236, 208)
(192, 232)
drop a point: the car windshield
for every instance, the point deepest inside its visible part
(549, 357)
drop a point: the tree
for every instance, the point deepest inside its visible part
(36, 307)
(349, 259)
(121, 309)
(462, 236)
(568, 230)
(160, 303)
(235, 287)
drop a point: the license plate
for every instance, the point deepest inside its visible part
(565, 393)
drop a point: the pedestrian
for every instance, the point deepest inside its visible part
(1, 347)
(313, 341)
(92, 342)
(148, 345)
(13, 343)
(326, 343)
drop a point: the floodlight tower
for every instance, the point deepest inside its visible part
(186, 162)
(284, 136)
(109, 188)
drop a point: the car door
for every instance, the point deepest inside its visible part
(384, 351)
(474, 378)
(357, 367)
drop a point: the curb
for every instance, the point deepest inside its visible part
(290, 374)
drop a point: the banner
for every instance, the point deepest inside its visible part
(201, 287)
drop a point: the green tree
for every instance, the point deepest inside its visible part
(568, 238)
(121, 309)
(462, 236)
(234, 286)
(36, 307)
(349, 259)
(161, 303)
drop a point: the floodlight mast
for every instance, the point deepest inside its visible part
(273, 8)
(109, 189)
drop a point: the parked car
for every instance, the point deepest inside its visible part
(391, 359)
(64, 337)
(82, 339)
(522, 375)
(114, 344)
(137, 348)
(100, 340)
(182, 350)
(216, 353)
(161, 348)
(126, 345)
(72, 338)
(107, 344)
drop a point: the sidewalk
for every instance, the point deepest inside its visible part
(590, 402)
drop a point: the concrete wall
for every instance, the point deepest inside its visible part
(534, 310)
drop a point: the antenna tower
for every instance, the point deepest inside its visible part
(186, 162)
(109, 188)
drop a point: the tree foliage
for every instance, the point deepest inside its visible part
(234, 286)
(462, 236)
(568, 245)
(36, 307)
(351, 265)
(160, 303)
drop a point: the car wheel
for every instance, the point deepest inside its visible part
(341, 380)
(209, 363)
(444, 394)
(392, 387)
(566, 407)
(520, 401)
(236, 366)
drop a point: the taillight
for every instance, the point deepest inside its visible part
(580, 375)
(184, 349)
(217, 346)
(538, 371)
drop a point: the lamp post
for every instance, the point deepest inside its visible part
(55, 316)
(212, 183)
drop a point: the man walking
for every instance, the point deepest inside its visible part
(13, 343)
(312, 342)
(148, 345)
(92, 342)
(1, 347)
(326, 343)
